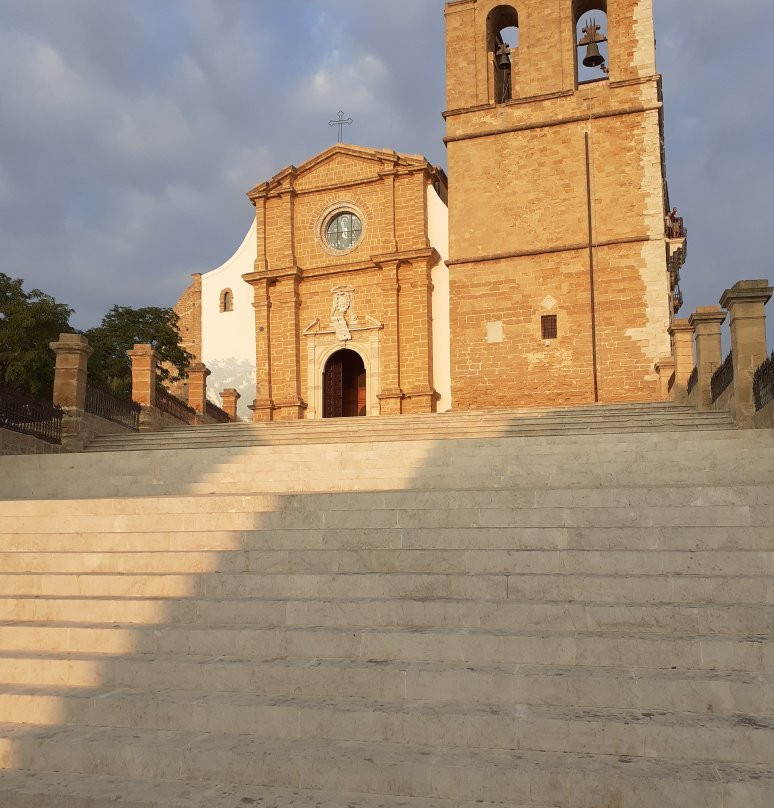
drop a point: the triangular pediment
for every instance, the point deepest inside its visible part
(340, 164)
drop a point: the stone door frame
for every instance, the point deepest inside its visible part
(322, 345)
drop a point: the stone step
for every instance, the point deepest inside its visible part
(747, 653)
(344, 516)
(517, 539)
(644, 689)
(37, 789)
(546, 428)
(643, 589)
(437, 473)
(698, 619)
(673, 736)
(580, 780)
(413, 499)
(64, 557)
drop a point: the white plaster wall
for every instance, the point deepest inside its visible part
(228, 338)
(438, 231)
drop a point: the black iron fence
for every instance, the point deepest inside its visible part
(20, 412)
(217, 414)
(118, 409)
(763, 384)
(173, 406)
(693, 379)
(722, 377)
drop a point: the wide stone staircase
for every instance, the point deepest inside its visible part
(569, 609)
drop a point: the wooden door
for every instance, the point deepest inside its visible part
(362, 404)
(333, 385)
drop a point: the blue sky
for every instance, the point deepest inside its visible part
(130, 131)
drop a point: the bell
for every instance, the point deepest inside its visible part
(593, 57)
(502, 59)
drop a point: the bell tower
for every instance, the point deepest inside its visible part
(559, 273)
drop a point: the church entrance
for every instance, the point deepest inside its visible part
(344, 386)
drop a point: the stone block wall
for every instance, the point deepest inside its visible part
(15, 443)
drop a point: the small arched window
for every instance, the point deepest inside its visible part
(226, 300)
(502, 40)
(591, 52)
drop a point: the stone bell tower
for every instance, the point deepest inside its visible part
(559, 273)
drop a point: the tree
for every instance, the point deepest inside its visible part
(29, 321)
(124, 327)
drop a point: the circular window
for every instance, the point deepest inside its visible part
(343, 231)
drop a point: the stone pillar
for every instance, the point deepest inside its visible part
(229, 399)
(144, 361)
(706, 322)
(665, 369)
(681, 333)
(745, 302)
(71, 373)
(197, 386)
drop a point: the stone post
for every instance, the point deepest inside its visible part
(71, 373)
(681, 333)
(665, 368)
(745, 302)
(197, 387)
(706, 322)
(144, 361)
(229, 399)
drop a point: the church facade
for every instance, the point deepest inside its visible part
(540, 274)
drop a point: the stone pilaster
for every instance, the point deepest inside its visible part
(263, 405)
(71, 373)
(391, 395)
(746, 303)
(706, 322)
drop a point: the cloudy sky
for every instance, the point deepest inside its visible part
(130, 130)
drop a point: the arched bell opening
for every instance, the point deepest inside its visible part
(502, 42)
(591, 41)
(344, 386)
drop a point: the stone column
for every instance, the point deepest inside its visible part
(71, 373)
(144, 362)
(681, 333)
(229, 399)
(665, 369)
(197, 386)
(745, 302)
(706, 322)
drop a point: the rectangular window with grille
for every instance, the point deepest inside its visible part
(549, 326)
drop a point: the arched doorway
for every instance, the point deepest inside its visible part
(344, 386)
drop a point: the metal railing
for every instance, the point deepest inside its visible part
(722, 377)
(217, 414)
(118, 409)
(173, 406)
(763, 384)
(675, 228)
(22, 413)
(693, 379)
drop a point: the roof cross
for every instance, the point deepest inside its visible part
(341, 123)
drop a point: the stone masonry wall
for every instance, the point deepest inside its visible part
(15, 443)
(519, 212)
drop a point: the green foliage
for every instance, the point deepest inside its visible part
(120, 330)
(29, 321)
